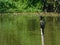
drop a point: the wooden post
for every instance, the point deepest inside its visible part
(42, 37)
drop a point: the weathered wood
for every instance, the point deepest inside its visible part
(42, 37)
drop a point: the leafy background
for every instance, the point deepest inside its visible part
(20, 5)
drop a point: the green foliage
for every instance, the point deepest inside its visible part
(33, 3)
(19, 5)
(6, 5)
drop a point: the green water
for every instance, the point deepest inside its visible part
(52, 31)
(19, 30)
(25, 30)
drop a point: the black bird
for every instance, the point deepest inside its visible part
(42, 24)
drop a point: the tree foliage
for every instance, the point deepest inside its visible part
(6, 5)
(19, 5)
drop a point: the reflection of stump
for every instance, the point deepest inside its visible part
(58, 19)
(50, 7)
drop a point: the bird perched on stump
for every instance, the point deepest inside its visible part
(42, 24)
